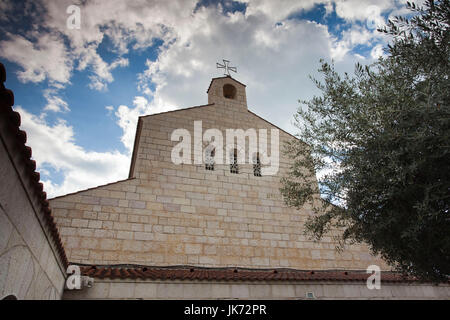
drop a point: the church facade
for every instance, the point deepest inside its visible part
(210, 230)
(184, 214)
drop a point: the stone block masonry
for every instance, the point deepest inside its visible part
(167, 214)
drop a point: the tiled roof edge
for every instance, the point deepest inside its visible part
(235, 274)
(13, 126)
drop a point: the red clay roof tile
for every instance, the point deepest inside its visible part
(13, 120)
(227, 274)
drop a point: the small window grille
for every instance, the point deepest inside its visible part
(256, 166)
(209, 159)
(234, 168)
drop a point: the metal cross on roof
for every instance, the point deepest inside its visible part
(226, 67)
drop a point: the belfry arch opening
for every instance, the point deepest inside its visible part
(229, 91)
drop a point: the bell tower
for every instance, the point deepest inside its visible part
(227, 91)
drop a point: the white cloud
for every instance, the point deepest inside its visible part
(339, 50)
(360, 10)
(128, 117)
(278, 10)
(54, 102)
(273, 60)
(55, 146)
(137, 23)
(45, 59)
(103, 74)
(377, 52)
(110, 109)
(354, 36)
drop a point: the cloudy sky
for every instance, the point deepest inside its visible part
(80, 91)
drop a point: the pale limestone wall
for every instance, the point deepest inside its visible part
(202, 290)
(29, 268)
(183, 214)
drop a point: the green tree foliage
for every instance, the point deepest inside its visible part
(381, 139)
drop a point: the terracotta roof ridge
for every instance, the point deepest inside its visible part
(189, 272)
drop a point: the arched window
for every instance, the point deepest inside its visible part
(229, 91)
(256, 165)
(209, 158)
(234, 168)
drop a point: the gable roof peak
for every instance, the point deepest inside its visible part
(223, 77)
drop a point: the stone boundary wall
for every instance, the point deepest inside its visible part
(32, 259)
(29, 267)
(201, 290)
